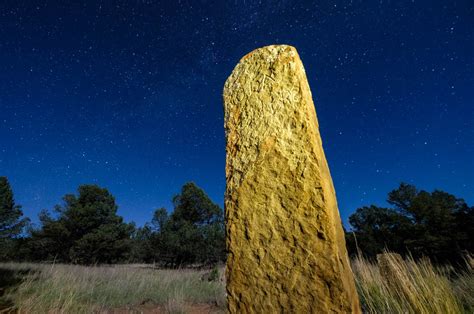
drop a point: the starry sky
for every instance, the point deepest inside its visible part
(128, 94)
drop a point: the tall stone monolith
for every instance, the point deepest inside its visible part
(285, 240)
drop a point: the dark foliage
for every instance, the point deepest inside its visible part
(436, 224)
(11, 221)
(86, 230)
(142, 249)
(192, 233)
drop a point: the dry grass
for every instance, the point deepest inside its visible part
(393, 285)
(79, 289)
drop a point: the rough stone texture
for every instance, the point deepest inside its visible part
(285, 240)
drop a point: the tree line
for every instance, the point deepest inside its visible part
(86, 229)
(434, 224)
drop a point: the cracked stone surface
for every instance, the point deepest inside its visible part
(284, 235)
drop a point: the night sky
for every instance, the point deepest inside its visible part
(129, 96)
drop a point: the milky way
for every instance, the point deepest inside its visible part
(129, 96)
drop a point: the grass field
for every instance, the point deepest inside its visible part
(37, 288)
(391, 286)
(394, 285)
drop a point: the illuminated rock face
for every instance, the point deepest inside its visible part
(285, 240)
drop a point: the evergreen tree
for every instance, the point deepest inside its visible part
(195, 230)
(437, 224)
(160, 218)
(86, 230)
(379, 228)
(11, 221)
(159, 236)
(142, 249)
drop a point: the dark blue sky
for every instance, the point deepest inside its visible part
(128, 95)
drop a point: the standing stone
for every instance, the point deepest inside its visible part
(286, 246)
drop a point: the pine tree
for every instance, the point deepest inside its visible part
(195, 230)
(87, 229)
(11, 223)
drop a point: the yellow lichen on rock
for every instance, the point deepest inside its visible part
(286, 247)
